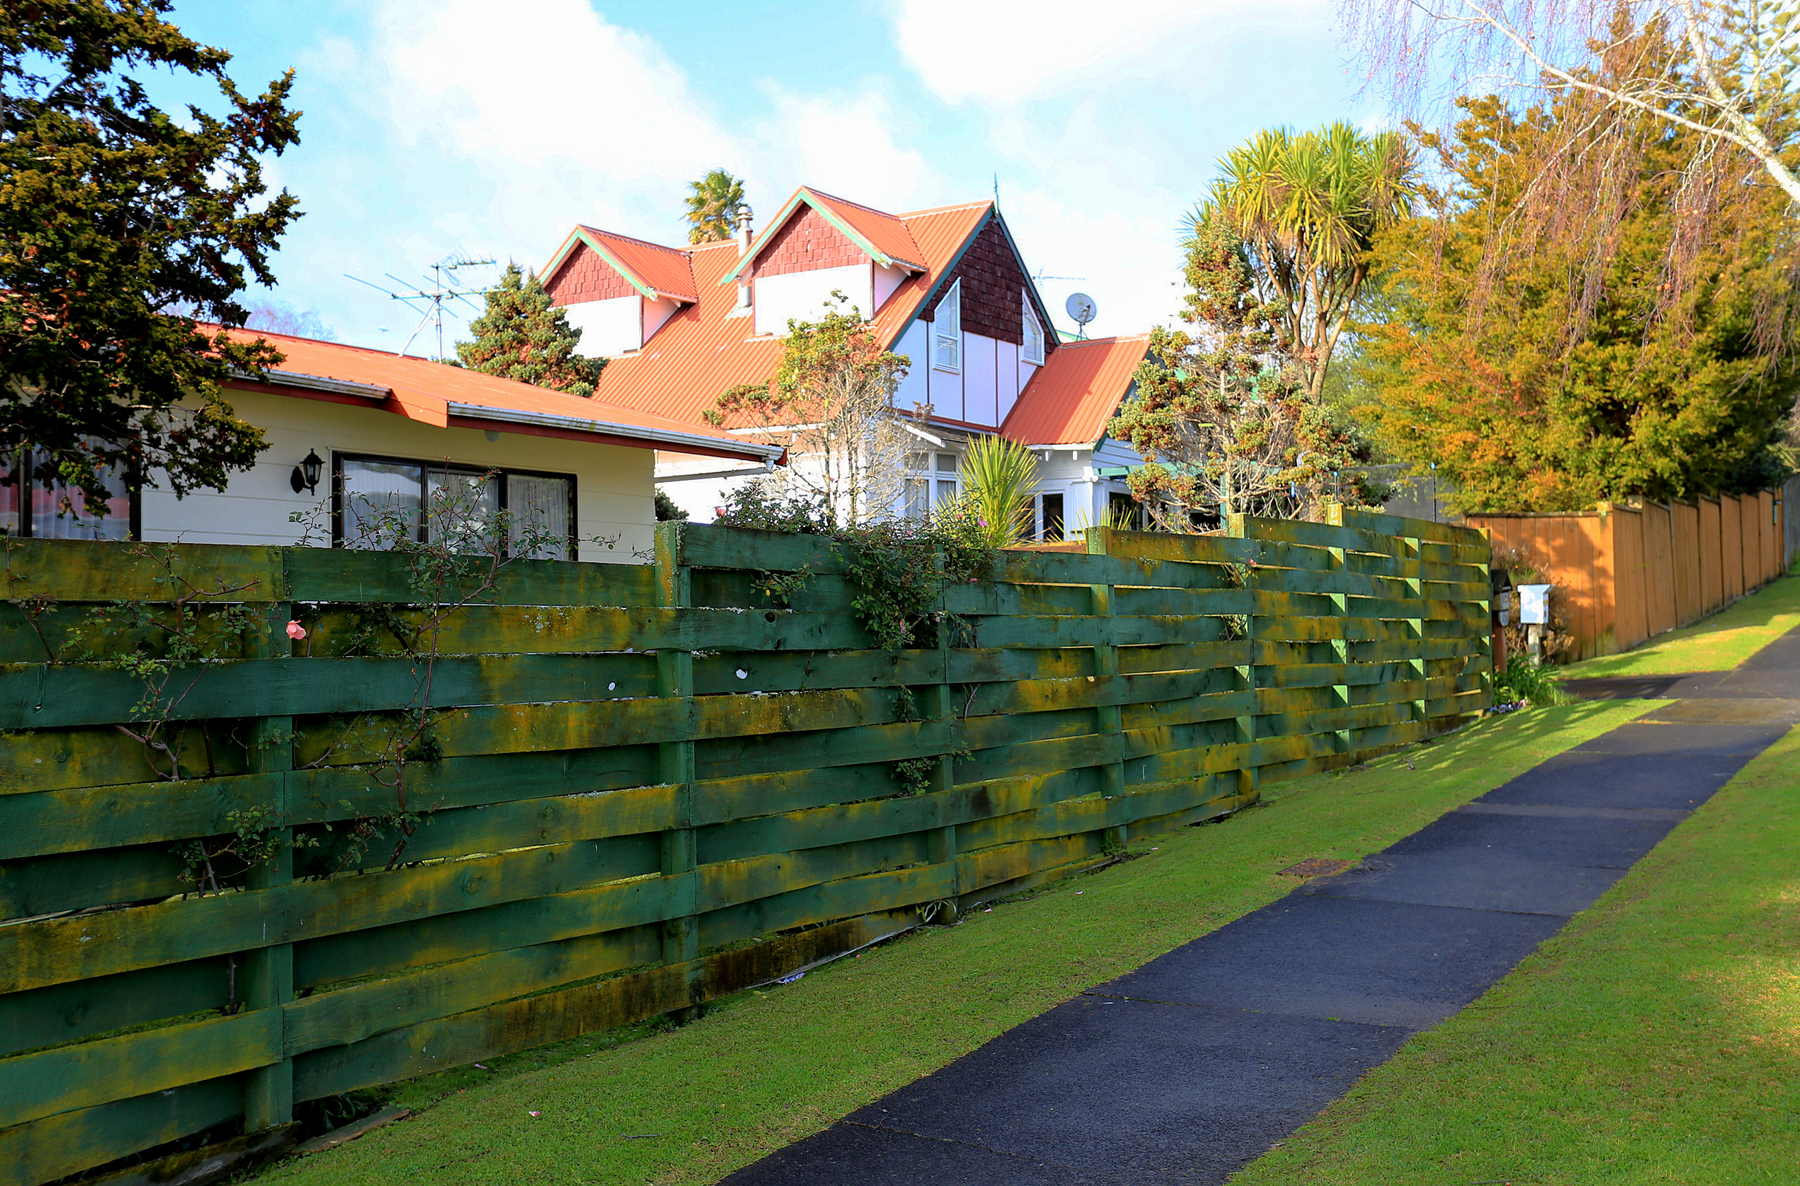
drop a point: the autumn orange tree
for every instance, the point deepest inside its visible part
(1540, 372)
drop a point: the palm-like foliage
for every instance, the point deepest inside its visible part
(998, 476)
(1307, 206)
(713, 205)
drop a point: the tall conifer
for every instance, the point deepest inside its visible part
(523, 336)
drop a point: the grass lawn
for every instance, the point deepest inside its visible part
(769, 1067)
(1718, 643)
(1656, 1040)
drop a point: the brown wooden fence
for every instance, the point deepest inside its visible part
(1630, 573)
(642, 786)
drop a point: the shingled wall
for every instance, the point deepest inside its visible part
(993, 289)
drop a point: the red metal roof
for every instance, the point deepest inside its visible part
(436, 393)
(665, 270)
(1075, 393)
(887, 233)
(702, 351)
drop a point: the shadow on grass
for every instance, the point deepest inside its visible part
(1717, 643)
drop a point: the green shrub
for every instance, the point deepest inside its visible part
(1524, 681)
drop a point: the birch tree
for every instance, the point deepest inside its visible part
(831, 402)
(1728, 70)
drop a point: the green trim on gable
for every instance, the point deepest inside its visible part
(803, 197)
(580, 236)
(937, 285)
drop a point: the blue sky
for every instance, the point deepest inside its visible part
(440, 126)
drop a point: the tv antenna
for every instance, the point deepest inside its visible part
(1039, 277)
(429, 297)
(1081, 307)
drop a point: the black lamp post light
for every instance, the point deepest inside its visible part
(306, 474)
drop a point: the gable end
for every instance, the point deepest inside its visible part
(584, 276)
(993, 288)
(806, 242)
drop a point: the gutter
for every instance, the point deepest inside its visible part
(314, 383)
(768, 454)
(767, 467)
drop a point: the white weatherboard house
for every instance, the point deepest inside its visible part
(945, 287)
(346, 425)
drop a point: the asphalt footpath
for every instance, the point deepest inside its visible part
(1193, 1065)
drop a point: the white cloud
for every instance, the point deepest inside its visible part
(1003, 51)
(844, 144)
(546, 82)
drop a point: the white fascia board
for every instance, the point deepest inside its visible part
(661, 436)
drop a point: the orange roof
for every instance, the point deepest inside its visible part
(887, 233)
(436, 393)
(701, 351)
(654, 270)
(1075, 393)
(884, 238)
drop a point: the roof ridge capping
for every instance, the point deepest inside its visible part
(951, 209)
(634, 239)
(816, 192)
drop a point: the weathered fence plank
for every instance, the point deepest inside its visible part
(588, 769)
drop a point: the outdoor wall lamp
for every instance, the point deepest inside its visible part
(306, 474)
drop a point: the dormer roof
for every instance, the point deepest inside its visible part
(884, 238)
(656, 271)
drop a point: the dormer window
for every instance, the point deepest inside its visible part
(946, 331)
(1033, 349)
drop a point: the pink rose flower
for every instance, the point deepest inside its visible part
(296, 631)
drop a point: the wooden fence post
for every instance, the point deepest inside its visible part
(269, 971)
(1109, 718)
(1340, 646)
(1249, 775)
(1413, 565)
(940, 705)
(675, 767)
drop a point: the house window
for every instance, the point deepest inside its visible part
(931, 482)
(379, 500)
(1034, 335)
(946, 331)
(31, 509)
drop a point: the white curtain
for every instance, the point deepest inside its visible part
(461, 508)
(60, 512)
(381, 501)
(540, 505)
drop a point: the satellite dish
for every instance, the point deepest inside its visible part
(1081, 307)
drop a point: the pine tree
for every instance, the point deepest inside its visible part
(523, 336)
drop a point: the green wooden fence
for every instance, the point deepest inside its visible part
(644, 787)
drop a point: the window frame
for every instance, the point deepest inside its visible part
(339, 457)
(953, 298)
(18, 454)
(1034, 331)
(930, 477)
